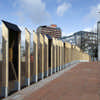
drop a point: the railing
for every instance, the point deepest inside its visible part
(46, 57)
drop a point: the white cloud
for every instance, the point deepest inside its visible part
(66, 34)
(93, 14)
(32, 9)
(88, 29)
(63, 8)
(93, 29)
(63, 34)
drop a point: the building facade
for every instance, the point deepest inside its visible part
(52, 31)
(87, 41)
(98, 31)
(70, 39)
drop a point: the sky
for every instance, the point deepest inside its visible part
(70, 15)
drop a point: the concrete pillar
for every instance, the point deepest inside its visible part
(98, 31)
(27, 46)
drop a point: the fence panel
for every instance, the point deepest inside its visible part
(46, 56)
(27, 57)
(57, 56)
(34, 58)
(54, 55)
(50, 54)
(23, 59)
(11, 58)
(41, 58)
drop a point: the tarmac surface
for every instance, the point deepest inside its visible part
(82, 82)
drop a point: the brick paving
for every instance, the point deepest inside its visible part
(80, 83)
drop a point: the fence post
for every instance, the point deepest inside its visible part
(57, 52)
(5, 61)
(41, 58)
(60, 55)
(27, 53)
(46, 56)
(54, 55)
(35, 59)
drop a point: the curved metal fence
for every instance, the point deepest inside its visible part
(27, 58)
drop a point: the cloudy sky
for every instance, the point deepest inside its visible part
(70, 15)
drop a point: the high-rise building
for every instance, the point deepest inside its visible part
(87, 41)
(52, 31)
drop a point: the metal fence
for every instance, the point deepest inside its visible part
(34, 58)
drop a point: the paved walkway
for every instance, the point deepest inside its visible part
(80, 83)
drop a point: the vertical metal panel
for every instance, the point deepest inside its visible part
(23, 60)
(51, 58)
(68, 52)
(57, 55)
(27, 57)
(60, 55)
(5, 61)
(41, 58)
(46, 56)
(19, 61)
(35, 57)
(54, 55)
(11, 60)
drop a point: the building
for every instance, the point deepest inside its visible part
(52, 31)
(87, 41)
(70, 39)
(98, 31)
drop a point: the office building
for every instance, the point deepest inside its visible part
(87, 41)
(52, 31)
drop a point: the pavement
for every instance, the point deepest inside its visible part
(77, 82)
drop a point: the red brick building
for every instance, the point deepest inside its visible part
(52, 30)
